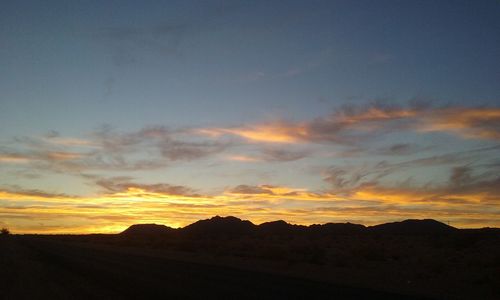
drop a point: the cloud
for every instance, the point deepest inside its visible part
(181, 150)
(273, 154)
(345, 126)
(352, 124)
(124, 202)
(34, 156)
(461, 176)
(250, 189)
(340, 178)
(278, 132)
(400, 149)
(346, 178)
(33, 193)
(282, 155)
(13, 158)
(471, 123)
(353, 189)
(124, 184)
(243, 158)
(271, 193)
(483, 194)
(107, 149)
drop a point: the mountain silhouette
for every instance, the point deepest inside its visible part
(279, 227)
(337, 228)
(232, 226)
(147, 230)
(413, 227)
(219, 226)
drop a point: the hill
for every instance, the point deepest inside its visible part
(147, 230)
(413, 227)
(232, 226)
(219, 226)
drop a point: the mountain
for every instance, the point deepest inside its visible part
(220, 226)
(413, 227)
(147, 230)
(235, 227)
(279, 227)
(337, 228)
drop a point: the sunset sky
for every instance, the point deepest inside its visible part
(121, 112)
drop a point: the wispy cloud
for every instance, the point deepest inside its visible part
(353, 123)
(468, 122)
(400, 149)
(351, 189)
(124, 184)
(345, 178)
(107, 149)
(243, 158)
(271, 154)
(279, 132)
(14, 158)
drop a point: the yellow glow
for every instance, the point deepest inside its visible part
(13, 159)
(242, 158)
(63, 155)
(376, 114)
(69, 141)
(36, 212)
(267, 133)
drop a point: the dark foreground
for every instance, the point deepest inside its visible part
(44, 268)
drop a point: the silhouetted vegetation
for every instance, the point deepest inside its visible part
(4, 232)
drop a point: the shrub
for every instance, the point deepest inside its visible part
(4, 231)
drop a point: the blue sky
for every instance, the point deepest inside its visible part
(328, 97)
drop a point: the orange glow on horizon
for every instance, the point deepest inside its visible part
(111, 213)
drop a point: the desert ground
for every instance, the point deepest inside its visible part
(44, 268)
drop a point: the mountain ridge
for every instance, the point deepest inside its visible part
(230, 225)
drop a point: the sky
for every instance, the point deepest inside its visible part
(114, 113)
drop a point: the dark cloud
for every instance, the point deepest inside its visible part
(122, 184)
(158, 139)
(399, 149)
(15, 189)
(461, 176)
(349, 177)
(181, 150)
(282, 155)
(341, 178)
(107, 149)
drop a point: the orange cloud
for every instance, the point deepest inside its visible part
(13, 158)
(268, 133)
(242, 158)
(70, 141)
(344, 126)
(35, 211)
(468, 122)
(59, 155)
(465, 199)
